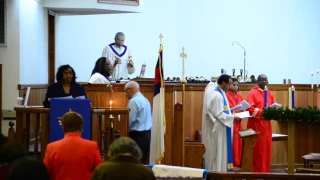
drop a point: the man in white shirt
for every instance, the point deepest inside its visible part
(120, 57)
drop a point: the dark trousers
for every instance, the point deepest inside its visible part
(142, 138)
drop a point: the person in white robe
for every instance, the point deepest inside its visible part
(101, 71)
(120, 58)
(214, 125)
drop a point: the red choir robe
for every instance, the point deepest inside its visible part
(235, 99)
(262, 150)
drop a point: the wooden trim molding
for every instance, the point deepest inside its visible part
(169, 87)
(121, 2)
(51, 47)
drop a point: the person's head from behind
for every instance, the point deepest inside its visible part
(125, 146)
(72, 122)
(235, 85)
(28, 168)
(262, 81)
(131, 88)
(66, 74)
(224, 82)
(11, 151)
(103, 66)
(119, 39)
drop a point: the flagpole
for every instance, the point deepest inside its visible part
(183, 81)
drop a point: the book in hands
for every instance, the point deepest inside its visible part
(246, 132)
(241, 106)
(275, 105)
(242, 115)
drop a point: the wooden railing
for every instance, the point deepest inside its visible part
(32, 127)
(260, 176)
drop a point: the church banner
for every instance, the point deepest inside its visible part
(61, 106)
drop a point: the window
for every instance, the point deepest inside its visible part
(3, 23)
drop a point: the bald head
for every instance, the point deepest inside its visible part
(262, 81)
(131, 88)
(262, 76)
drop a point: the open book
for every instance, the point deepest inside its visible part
(242, 115)
(241, 106)
(246, 132)
(275, 105)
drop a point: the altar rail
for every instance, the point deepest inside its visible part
(306, 134)
(32, 128)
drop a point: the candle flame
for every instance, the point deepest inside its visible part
(292, 88)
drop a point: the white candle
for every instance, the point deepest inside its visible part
(111, 103)
(183, 70)
(317, 77)
(311, 80)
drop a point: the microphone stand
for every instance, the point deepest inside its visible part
(244, 62)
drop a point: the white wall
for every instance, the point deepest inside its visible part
(33, 43)
(281, 37)
(9, 58)
(24, 59)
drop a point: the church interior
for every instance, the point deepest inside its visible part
(200, 40)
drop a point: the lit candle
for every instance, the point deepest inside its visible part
(265, 96)
(317, 77)
(311, 80)
(111, 103)
(293, 97)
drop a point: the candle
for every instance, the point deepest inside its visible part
(183, 78)
(311, 80)
(317, 77)
(111, 103)
(265, 96)
(293, 97)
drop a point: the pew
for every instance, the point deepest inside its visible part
(32, 127)
(306, 134)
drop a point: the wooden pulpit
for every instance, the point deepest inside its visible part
(248, 143)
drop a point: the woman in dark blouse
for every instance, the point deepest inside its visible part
(65, 86)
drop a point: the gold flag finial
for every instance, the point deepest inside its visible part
(160, 36)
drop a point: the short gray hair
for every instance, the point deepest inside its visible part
(118, 34)
(124, 145)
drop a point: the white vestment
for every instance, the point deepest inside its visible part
(214, 129)
(97, 78)
(121, 70)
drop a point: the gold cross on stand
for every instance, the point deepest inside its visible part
(183, 56)
(160, 36)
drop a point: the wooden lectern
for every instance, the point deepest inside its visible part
(248, 143)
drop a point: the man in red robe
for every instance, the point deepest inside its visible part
(234, 99)
(262, 150)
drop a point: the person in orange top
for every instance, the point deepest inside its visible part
(262, 150)
(234, 99)
(72, 157)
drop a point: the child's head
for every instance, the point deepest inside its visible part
(234, 87)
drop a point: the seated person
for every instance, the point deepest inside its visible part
(72, 157)
(101, 72)
(8, 154)
(65, 86)
(124, 154)
(28, 167)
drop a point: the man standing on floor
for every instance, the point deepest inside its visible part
(262, 150)
(140, 118)
(217, 123)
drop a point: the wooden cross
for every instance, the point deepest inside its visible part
(160, 36)
(183, 56)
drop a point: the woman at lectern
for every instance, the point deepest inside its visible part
(101, 71)
(65, 86)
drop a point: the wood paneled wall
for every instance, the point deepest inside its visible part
(306, 134)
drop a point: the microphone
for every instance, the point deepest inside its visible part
(244, 61)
